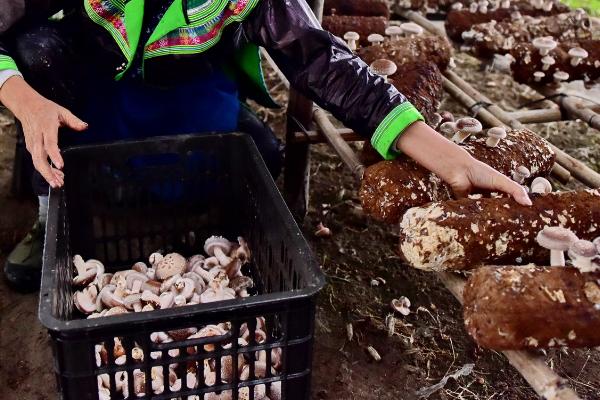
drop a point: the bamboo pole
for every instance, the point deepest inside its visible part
(314, 137)
(345, 152)
(570, 166)
(536, 116)
(574, 107)
(545, 382)
(424, 22)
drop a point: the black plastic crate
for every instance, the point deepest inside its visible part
(123, 201)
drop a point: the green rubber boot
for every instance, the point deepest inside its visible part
(23, 268)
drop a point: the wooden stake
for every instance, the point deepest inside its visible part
(345, 152)
(574, 107)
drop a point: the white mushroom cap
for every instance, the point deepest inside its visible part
(214, 242)
(560, 76)
(171, 264)
(538, 75)
(544, 44)
(556, 238)
(577, 54)
(495, 134)
(448, 128)
(597, 243)
(581, 253)
(375, 38)
(541, 185)
(383, 67)
(521, 173)
(393, 31)
(351, 35)
(401, 305)
(547, 61)
(410, 28)
(468, 124)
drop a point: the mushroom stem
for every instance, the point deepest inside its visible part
(222, 257)
(557, 258)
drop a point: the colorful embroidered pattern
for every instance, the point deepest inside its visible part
(110, 15)
(200, 35)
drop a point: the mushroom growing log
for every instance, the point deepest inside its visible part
(404, 50)
(579, 60)
(364, 26)
(467, 233)
(529, 307)
(389, 188)
(366, 8)
(501, 37)
(463, 19)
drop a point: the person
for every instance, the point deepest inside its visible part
(124, 69)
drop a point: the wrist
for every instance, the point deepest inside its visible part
(15, 94)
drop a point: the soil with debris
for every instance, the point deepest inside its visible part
(364, 274)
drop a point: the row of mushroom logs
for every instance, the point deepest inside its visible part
(170, 280)
(545, 60)
(471, 232)
(206, 372)
(490, 38)
(390, 188)
(532, 307)
(462, 17)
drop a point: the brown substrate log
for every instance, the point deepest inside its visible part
(468, 233)
(529, 307)
(366, 8)
(364, 26)
(390, 188)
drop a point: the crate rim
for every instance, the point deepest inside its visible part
(46, 295)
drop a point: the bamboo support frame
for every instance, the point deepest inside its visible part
(536, 116)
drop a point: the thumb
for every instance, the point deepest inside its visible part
(67, 118)
(506, 185)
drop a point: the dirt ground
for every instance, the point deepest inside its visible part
(426, 345)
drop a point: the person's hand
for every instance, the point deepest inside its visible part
(41, 119)
(454, 165)
(464, 179)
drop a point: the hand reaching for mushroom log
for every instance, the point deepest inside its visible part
(454, 165)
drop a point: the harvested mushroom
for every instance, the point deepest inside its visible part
(219, 247)
(401, 305)
(169, 265)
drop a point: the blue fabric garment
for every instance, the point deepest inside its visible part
(130, 109)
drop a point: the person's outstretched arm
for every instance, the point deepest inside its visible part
(39, 116)
(321, 67)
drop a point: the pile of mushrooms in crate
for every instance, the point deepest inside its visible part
(170, 281)
(174, 281)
